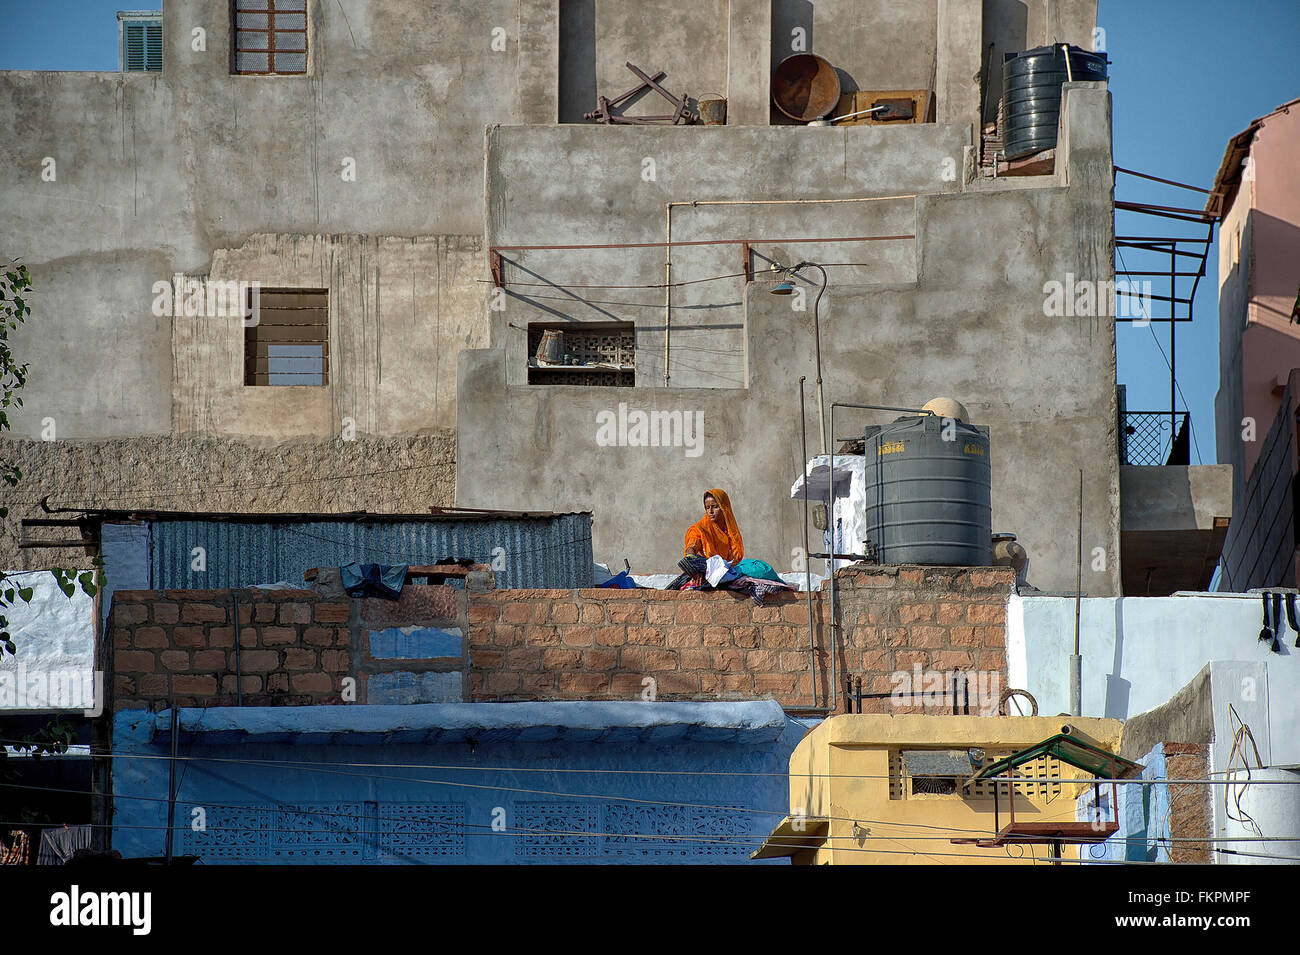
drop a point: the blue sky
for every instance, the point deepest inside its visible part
(1185, 76)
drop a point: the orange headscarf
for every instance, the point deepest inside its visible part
(721, 539)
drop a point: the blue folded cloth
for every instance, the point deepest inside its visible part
(373, 580)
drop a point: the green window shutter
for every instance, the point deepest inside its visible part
(142, 46)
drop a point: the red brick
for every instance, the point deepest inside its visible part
(795, 660)
(221, 636)
(611, 636)
(995, 636)
(264, 612)
(773, 682)
(911, 613)
(678, 637)
(661, 660)
(676, 683)
(259, 661)
(627, 685)
(123, 685)
(196, 595)
(765, 614)
(736, 683)
(203, 613)
(121, 638)
(331, 613)
(953, 660)
(660, 613)
(578, 636)
(153, 638)
(694, 612)
(716, 636)
(864, 637)
(298, 658)
(562, 613)
(279, 636)
(697, 659)
(896, 636)
(876, 660)
(646, 636)
(335, 660)
(175, 659)
(910, 575)
(144, 595)
(318, 636)
(600, 659)
(507, 635)
(729, 610)
(547, 636)
(276, 682)
(537, 684)
(527, 658)
(245, 612)
(581, 685)
(298, 612)
(784, 637)
(796, 613)
(418, 603)
(517, 613)
(998, 579)
(249, 682)
(991, 660)
(726, 658)
(928, 637)
(129, 615)
(965, 636)
(210, 660)
(593, 613)
(987, 613)
(756, 660)
(626, 613)
(745, 636)
(906, 659)
(201, 685)
(488, 659)
(312, 683)
(166, 613)
(153, 684)
(480, 612)
(631, 658)
(949, 614)
(556, 659)
(189, 637)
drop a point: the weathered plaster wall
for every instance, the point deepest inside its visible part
(970, 324)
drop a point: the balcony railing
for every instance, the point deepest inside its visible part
(1153, 438)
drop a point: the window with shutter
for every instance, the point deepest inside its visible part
(289, 345)
(270, 36)
(141, 42)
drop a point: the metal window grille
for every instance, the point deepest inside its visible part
(140, 38)
(289, 345)
(1149, 438)
(270, 36)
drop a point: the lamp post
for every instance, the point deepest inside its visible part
(786, 287)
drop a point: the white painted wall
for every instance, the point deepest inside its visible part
(55, 637)
(1139, 651)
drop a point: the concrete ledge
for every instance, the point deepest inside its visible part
(759, 721)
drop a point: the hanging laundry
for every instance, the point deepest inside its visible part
(58, 843)
(15, 847)
(373, 580)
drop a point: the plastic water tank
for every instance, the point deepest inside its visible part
(928, 492)
(1031, 94)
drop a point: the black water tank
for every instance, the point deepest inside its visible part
(1031, 94)
(928, 486)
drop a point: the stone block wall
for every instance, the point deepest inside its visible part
(445, 644)
(1191, 807)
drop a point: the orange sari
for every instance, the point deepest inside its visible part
(723, 539)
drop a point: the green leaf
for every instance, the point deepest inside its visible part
(26, 593)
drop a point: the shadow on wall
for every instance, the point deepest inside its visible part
(1117, 688)
(1006, 30)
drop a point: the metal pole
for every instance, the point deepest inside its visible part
(1076, 660)
(817, 339)
(807, 561)
(1173, 362)
(239, 673)
(830, 564)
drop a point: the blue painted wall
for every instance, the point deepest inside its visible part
(310, 806)
(1144, 828)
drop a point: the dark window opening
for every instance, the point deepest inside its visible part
(287, 342)
(582, 353)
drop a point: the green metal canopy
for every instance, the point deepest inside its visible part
(1068, 749)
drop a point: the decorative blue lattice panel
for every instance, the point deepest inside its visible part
(633, 829)
(420, 830)
(236, 832)
(325, 831)
(556, 829)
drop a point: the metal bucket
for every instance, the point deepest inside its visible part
(713, 110)
(551, 349)
(805, 87)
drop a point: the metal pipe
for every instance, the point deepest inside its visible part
(1173, 364)
(668, 284)
(1076, 661)
(807, 566)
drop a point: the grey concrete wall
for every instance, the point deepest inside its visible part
(968, 322)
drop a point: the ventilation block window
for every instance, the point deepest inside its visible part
(582, 353)
(288, 340)
(270, 37)
(139, 34)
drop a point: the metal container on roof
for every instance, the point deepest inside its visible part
(929, 498)
(1031, 93)
(805, 87)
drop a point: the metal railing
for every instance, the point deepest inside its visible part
(1148, 438)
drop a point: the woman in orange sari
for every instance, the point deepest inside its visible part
(716, 533)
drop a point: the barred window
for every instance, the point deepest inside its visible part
(289, 342)
(270, 36)
(582, 353)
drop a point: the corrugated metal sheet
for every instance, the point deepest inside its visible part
(548, 552)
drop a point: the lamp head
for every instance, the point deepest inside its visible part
(785, 288)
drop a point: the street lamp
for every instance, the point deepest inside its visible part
(786, 287)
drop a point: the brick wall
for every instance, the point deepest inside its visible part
(1191, 810)
(441, 644)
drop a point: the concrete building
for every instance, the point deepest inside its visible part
(378, 203)
(1259, 346)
